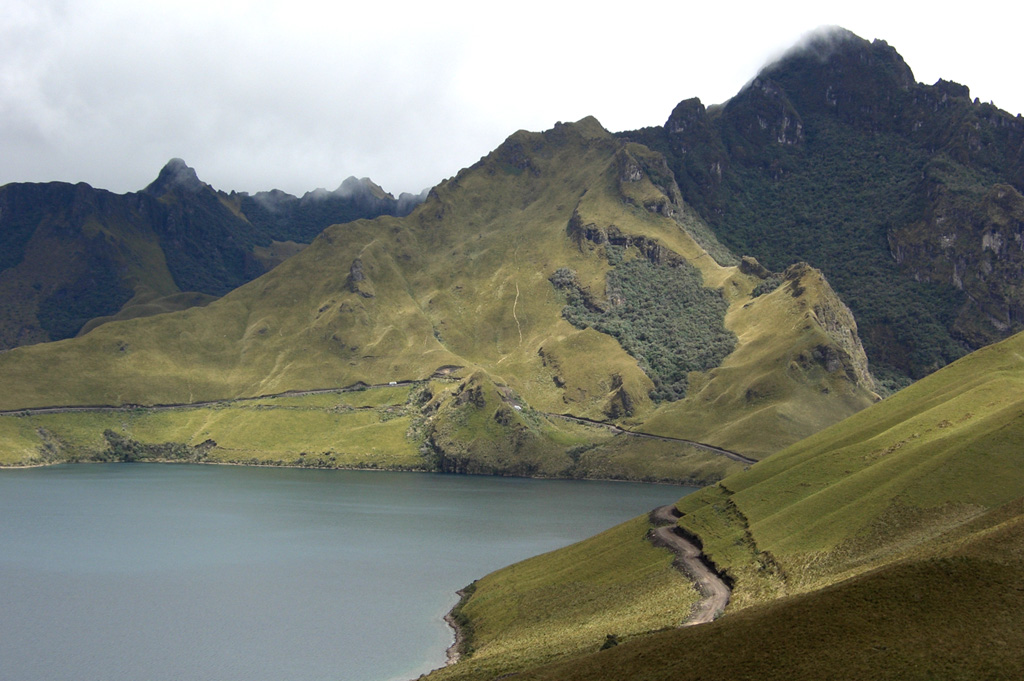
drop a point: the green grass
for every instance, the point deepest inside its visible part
(387, 427)
(863, 492)
(953, 615)
(887, 546)
(355, 399)
(310, 430)
(566, 602)
(464, 281)
(628, 458)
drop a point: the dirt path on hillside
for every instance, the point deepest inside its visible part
(618, 430)
(689, 560)
(358, 387)
(735, 456)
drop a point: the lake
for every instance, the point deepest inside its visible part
(146, 571)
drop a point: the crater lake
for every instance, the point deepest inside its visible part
(152, 571)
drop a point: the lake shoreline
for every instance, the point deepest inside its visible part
(453, 652)
(26, 466)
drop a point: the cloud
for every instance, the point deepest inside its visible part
(296, 95)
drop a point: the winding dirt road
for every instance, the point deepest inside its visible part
(715, 592)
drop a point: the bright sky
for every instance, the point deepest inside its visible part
(297, 94)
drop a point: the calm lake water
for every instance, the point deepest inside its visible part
(135, 571)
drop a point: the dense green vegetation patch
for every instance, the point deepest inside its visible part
(660, 313)
(97, 292)
(832, 204)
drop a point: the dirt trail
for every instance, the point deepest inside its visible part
(715, 592)
(358, 387)
(618, 430)
(735, 456)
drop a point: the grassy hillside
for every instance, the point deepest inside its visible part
(467, 284)
(860, 493)
(567, 602)
(952, 615)
(364, 429)
(887, 546)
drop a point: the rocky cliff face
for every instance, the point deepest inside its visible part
(843, 352)
(902, 193)
(976, 245)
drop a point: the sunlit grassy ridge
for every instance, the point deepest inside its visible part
(463, 284)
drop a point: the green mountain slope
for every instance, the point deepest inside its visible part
(469, 284)
(954, 614)
(73, 257)
(886, 546)
(857, 494)
(906, 196)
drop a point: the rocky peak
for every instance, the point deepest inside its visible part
(836, 71)
(688, 115)
(844, 350)
(361, 187)
(408, 201)
(176, 175)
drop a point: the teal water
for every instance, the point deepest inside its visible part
(134, 571)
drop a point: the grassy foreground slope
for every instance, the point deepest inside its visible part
(887, 546)
(865, 491)
(566, 602)
(954, 614)
(472, 286)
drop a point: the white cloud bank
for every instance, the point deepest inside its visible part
(301, 94)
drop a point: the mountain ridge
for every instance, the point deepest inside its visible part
(898, 191)
(75, 257)
(467, 281)
(879, 538)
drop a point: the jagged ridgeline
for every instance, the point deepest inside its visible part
(907, 196)
(73, 257)
(458, 298)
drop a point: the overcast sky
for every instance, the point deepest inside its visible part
(298, 95)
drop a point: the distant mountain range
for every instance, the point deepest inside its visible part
(72, 257)
(560, 275)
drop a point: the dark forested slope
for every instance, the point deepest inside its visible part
(907, 196)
